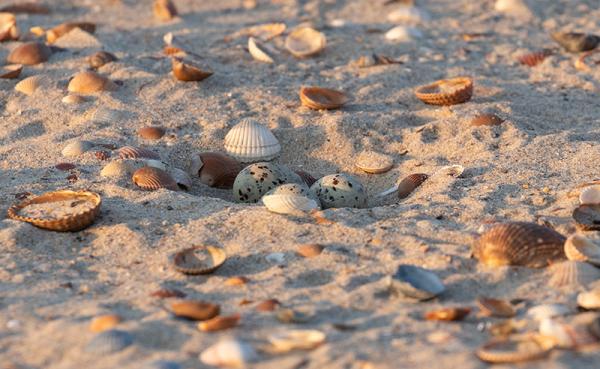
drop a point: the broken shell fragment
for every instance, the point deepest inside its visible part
(587, 217)
(410, 183)
(219, 323)
(305, 41)
(374, 162)
(447, 314)
(297, 339)
(229, 353)
(446, 91)
(250, 141)
(495, 307)
(195, 310)
(575, 42)
(64, 28)
(164, 10)
(580, 248)
(199, 260)
(534, 58)
(151, 132)
(100, 58)
(519, 243)
(590, 195)
(215, 169)
(415, 282)
(132, 152)
(258, 51)
(573, 275)
(151, 179)
(29, 85)
(89, 82)
(11, 71)
(322, 98)
(104, 322)
(290, 204)
(513, 349)
(188, 73)
(486, 120)
(29, 53)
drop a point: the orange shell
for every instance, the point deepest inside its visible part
(151, 132)
(150, 179)
(188, 73)
(30, 53)
(446, 91)
(219, 323)
(322, 98)
(187, 262)
(88, 82)
(447, 314)
(11, 71)
(195, 310)
(164, 10)
(534, 58)
(486, 120)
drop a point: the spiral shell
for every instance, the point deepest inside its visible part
(250, 141)
(151, 132)
(289, 204)
(580, 248)
(29, 85)
(29, 53)
(410, 183)
(258, 51)
(229, 353)
(76, 148)
(572, 274)
(188, 73)
(117, 168)
(150, 179)
(219, 323)
(89, 82)
(164, 10)
(195, 310)
(576, 42)
(109, 341)
(132, 152)
(199, 259)
(11, 71)
(446, 91)
(215, 169)
(305, 41)
(62, 29)
(322, 98)
(100, 58)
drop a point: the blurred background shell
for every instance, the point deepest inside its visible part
(29, 53)
(290, 204)
(305, 41)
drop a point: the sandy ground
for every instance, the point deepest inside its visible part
(52, 284)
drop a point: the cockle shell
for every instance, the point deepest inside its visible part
(339, 191)
(258, 51)
(590, 195)
(109, 341)
(199, 259)
(572, 274)
(104, 322)
(64, 28)
(297, 339)
(446, 91)
(576, 42)
(188, 73)
(181, 177)
(290, 204)
(30, 53)
(256, 180)
(416, 282)
(319, 98)
(410, 183)
(230, 353)
(151, 132)
(486, 120)
(580, 248)
(29, 85)
(76, 148)
(100, 58)
(132, 152)
(519, 243)
(219, 323)
(305, 41)
(164, 10)
(215, 169)
(195, 310)
(403, 34)
(564, 335)
(513, 349)
(150, 179)
(8, 27)
(89, 82)
(73, 99)
(11, 71)
(117, 168)
(589, 299)
(250, 141)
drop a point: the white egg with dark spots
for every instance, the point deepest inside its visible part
(339, 191)
(257, 179)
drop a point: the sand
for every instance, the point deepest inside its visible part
(52, 284)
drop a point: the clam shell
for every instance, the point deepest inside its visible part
(587, 217)
(309, 250)
(104, 322)
(486, 120)
(100, 58)
(258, 51)
(572, 274)
(580, 248)
(30, 53)
(87, 82)
(305, 41)
(199, 259)
(219, 323)
(513, 349)
(164, 10)
(250, 141)
(73, 99)
(62, 29)
(67, 223)
(77, 148)
(589, 299)
(374, 162)
(182, 179)
(496, 307)
(590, 195)
(195, 310)
(546, 311)
(290, 204)
(131, 152)
(519, 243)
(403, 34)
(446, 91)
(575, 42)
(188, 73)
(416, 282)
(110, 341)
(117, 168)
(11, 71)
(297, 339)
(215, 169)
(410, 183)
(8, 27)
(322, 98)
(565, 335)
(151, 132)
(29, 85)
(534, 58)
(229, 353)
(150, 179)
(447, 314)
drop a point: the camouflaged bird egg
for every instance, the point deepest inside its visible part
(257, 179)
(339, 191)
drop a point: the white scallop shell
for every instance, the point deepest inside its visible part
(408, 13)
(77, 148)
(572, 274)
(589, 299)
(30, 84)
(297, 339)
(117, 168)
(250, 141)
(181, 177)
(403, 34)
(290, 204)
(580, 248)
(257, 51)
(546, 311)
(229, 353)
(590, 196)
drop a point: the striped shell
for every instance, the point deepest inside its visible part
(410, 183)
(486, 120)
(30, 53)
(580, 248)
(150, 179)
(258, 51)
(297, 339)
(305, 41)
(534, 58)
(195, 310)
(110, 341)
(322, 98)
(250, 141)
(100, 58)
(11, 71)
(290, 204)
(519, 243)
(77, 148)
(512, 349)
(132, 152)
(188, 73)
(590, 195)
(587, 217)
(73, 99)
(199, 259)
(67, 223)
(306, 177)
(374, 162)
(219, 323)
(182, 179)
(151, 132)
(229, 352)
(117, 168)
(339, 191)
(446, 91)
(576, 42)
(215, 169)
(29, 85)
(89, 82)
(572, 274)
(62, 29)
(416, 282)
(164, 10)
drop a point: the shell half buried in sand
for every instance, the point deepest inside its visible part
(580, 248)
(374, 162)
(215, 169)
(289, 204)
(319, 98)
(258, 51)
(587, 217)
(87, 82)
(305, 41)
(150, 179)
(296, 339)
(199, 260)
(62, 211)
(250, 141)
(514, 349)
(446, 91)
(29, 85)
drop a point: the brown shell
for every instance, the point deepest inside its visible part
(446, 91)
(187, 261)
(188, 73)
(495, 307)
(410, 183)
(150, 179)
(587, 217)
(310, 250)
(8, 27)
(306, 177)
(151, 132)
(64, 28)
(26, 8)
(30, 53)
(486, 120)
(194, 309)
(576, 42)
(447, 314)
(88, 82)
(218, 170)
(164, 10)
(519, 243)
(268, 305)
(219, 323)
(100, 58)
(322, 98)
(70, 223)
(11, 71)
(512, 350)
(132, 152)
(534, 58)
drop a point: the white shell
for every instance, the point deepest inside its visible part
(451, 170)
(516, 8)
(564, 335)
(289, 204)
(580, 248)
(546, 311)
(589, 299)
(408, 13)
(297, 339)
(403, 34)
(572, 274)
(117, 168)
(250, 141)
(73, 99)
(156, 164)
(590, 195)
(229, 353)
(257, 51)
(30, 84)
(181, 177)
(77, 148)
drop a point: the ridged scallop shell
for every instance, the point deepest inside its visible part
(199, 259)
(486, 120)
(104, 322)
(403, 34)
(195, 309)
(69, 222)
(513, 349)
(164, 10)
(188, 73)
(580, 248)
(297, 339)
(182, 179)
(534, 58)
(30, 53)
(572, 274)
(11, 71)
(151, 132)
(567, 336)
(519, 243)
(410, 183)
(100, 58)
(416, 282)
(110, 341)
(62, 29)
(322, 98)
(590, 196)
(150, 179)
(446, 91)
(215, 169)
(374, 162)
(258, 51)
(229, 353)
(250, 141)
(29, 85)
(219, 323)
(290, 204)
(73, 99)
(132, 152)
(89, 82)
(447, 314)
(105, 115)
(306, 177)
(117, 168)
(589, 300)
(76, 148)
(576, 42)
(495, 307)
(587, 217)
(305, 41)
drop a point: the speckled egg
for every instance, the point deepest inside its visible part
(340, 191)
(257, 179)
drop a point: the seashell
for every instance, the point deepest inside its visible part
(447, 314)
(451, 170)
(215, 169)
(29, 85)
(410, 183)
(290, 204)
(306, 177)
(195, 310)
(182, 179)
(150, 179)
(77, 218)
(486, 120)
(165, 293)
(293, 316)
(110, 341)
(534, 58)
(339, 191)
(297, 339)
(73, 99)
(105, 115)
(132, 152)
(11, 71)
(89, 82)
(8, 27)
(77, 148)
(64, 28)
(519, 243)
(199, 260)
(29, 53)
(100, 58)
(231, 353)
(268, 305)
(403, 34)
(219, 323)
(587, 60)
(322, 98)
(408, 13)
(548, 311)
(164, 10)
(590, 195)
(372, 60)
(305, 41)
(572, 274)
(575, 42)
(104, 322)
(580, 248)
(495, 307)
(117, 169)
(151, 132)
(587, 217)
(513, 349)
(446, 91)
(250, 141)
(310, 250)
(188, 73)
(25, 8)
(515, 8)
(565, 335)
(258, 52)
(263, 32)
(64, 166)
(589, 300)
(163, 364)
(236, 281)
(416, 282)
(374, 162)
